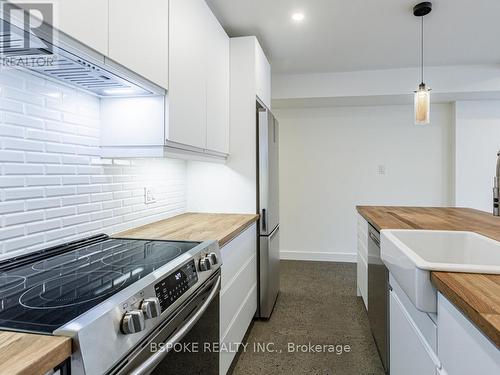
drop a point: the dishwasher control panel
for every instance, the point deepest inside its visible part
(172, 287)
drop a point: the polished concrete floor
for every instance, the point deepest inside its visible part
(318, 305)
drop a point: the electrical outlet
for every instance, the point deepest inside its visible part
(149, 195)
(381, 169)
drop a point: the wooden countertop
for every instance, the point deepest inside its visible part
(476, 295)
(194, 227)
(29, 354)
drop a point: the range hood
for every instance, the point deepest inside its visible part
(57, 56)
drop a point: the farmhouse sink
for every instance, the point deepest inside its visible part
(410, 255)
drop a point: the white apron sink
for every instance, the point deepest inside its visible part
(410, 255)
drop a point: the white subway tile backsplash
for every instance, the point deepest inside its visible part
(42, 135)
(24, 169)
(59, 233)
(43, 180)
(75, 200)
(75, 159)
(7, 181)
(60, 127)
(7, 207)
(59, 191)
(23, 243)
(10, 105)
(11, 131)
(10, 80)
(54, 186)
(30, 122)
(24, 217)
(75, 180)
(43, 226)
(22, 193)
(60, 212)
(21, 144)
(42, 113)
(42, 158)
(60, 169)
(11, 156)
(92, 207)
(38, 204)
(101, 197)
(60, 148)
(23, 96)
(73, 220)
(11, 232)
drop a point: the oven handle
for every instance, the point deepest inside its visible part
(153, 361)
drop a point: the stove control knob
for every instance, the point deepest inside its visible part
(151, 308)
(133, 322)
(213, 259)
(205, 264)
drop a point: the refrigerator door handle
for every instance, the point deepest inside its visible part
(264, 224)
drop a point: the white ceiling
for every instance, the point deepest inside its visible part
(348, 35)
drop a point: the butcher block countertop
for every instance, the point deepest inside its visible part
(27, 354)
(476, 295)
(194, 227)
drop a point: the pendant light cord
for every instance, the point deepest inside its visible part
(422, 50)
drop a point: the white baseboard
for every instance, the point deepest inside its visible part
(318, 256)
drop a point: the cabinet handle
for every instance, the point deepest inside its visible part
(264, 224)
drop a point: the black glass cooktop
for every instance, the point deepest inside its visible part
(43, 291)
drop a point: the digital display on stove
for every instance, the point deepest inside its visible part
(172, 287)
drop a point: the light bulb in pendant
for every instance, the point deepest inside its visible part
(422, 105)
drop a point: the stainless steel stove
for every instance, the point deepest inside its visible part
(119, 299)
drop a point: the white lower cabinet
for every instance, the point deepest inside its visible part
(238, 302)
(463, 349)
(362, 265)
(413, 337)
(446, 343)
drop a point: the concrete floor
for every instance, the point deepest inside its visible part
(318, 305)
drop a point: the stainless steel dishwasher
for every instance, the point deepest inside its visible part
(378, 297)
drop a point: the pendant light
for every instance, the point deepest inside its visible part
(423, 94)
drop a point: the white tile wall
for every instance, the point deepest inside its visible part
(54, 187)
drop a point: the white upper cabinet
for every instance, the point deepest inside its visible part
(217, 87)
(262, 76)
(138, 37)
(187, 93)
(84, 20)
(198, 77)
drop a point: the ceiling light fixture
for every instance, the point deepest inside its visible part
(298, 17)
(423, 94)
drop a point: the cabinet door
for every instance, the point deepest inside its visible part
(262, 76)
(138, 37)
(84, 20)
(217, 86)
(409, 352)
(187, 73)
(463, 348)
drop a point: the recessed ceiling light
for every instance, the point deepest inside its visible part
(298, 17)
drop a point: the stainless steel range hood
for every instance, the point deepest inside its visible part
(56, 56)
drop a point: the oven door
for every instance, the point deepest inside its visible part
(186, 343)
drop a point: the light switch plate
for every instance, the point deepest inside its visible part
(149, 195)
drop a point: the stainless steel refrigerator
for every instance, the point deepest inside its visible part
(268, 208)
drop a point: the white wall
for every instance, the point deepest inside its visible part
(329, 160)
(54, 187)
(477, 141)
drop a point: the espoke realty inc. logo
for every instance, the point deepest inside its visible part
(26, 34)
